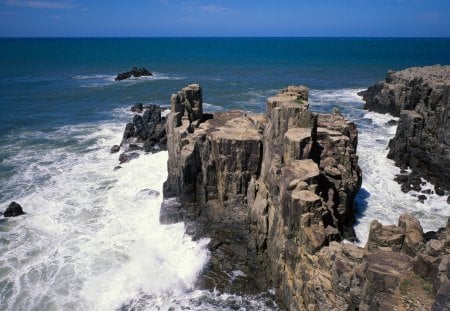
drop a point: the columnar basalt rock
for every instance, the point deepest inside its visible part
(275, 195)
(420, 96)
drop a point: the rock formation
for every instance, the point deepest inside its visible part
(134, 72)
(14, 209)
(147, 132)
(420, 96)
(275, 195)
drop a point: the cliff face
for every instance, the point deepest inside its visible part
(275, 195)
(420, 96)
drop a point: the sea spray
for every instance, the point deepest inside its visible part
(91, 239)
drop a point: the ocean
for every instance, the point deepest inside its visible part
(91, 239)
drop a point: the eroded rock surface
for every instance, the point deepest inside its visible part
(275, 195)
(420, 96)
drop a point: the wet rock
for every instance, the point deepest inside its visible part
(137, 108)
(421, 198)
(14, 209)
(147, 131)
(134, 72)
(171, 211)
(392, 123)
(439, 190)
(115, 149)
(134, 147)
(127, 157)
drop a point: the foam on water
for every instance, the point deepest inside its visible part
(101, 80)
(380, 196)
(211, 108)
(91, 239)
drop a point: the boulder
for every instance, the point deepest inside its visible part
(127, 157)
(137, 108)
(115, 149)
(14, 209)
(134, 72)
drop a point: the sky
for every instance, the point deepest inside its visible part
(230, 18)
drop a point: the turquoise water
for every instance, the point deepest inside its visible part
(91, 239)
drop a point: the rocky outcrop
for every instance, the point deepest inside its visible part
(275, 193)
(134, 72)
(239, 176)
(14, 209)
(420, 96)
(146, 132)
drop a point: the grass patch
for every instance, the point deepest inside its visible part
(426, 286)
(299, 101)
(405, 285)
(415, 282)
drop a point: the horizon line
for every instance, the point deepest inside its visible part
(223, 37)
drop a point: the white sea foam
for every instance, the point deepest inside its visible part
(211, 108)
(380, 196)
(101, 80)
(339, 95)
(91, 239)
(95, 77)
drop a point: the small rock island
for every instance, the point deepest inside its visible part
(275, 194)
(134, 72)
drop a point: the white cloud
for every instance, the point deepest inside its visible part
(37, 4)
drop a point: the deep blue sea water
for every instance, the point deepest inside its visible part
(91, 239)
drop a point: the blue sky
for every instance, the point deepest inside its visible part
(385, 18)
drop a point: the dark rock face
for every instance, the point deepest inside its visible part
(134, 72)
(127, 157)
(14, 209)
(147, 131)
(420, 96)
(115, 148)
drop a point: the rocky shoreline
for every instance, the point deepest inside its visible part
(420, 97)
(275, 195)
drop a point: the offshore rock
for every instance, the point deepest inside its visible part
(14, 209)
(134, 72)
(420, 96)
(147, 131)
